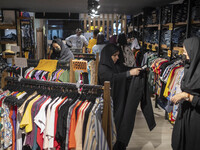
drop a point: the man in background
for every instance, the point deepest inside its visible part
(76, 41)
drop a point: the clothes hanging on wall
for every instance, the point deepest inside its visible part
(164, 80)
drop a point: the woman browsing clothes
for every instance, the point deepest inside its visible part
(186, 132)
(61, 51)
(108, 66)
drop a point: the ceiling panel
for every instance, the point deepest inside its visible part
(80, 6)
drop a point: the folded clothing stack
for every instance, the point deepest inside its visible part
(9, 37)
(180, 12)
(166, 14)
(196, 10)
(178, 36)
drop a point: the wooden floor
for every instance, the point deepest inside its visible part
(158, 139)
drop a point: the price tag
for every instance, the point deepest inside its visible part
(171, 26)
(21, 62)
(148, 45)
(180, 51)
(169, 53)
(153, 47)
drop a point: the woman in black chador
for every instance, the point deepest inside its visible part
(186, 132)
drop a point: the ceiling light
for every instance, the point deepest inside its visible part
(98, 6)
(96, 12)
(93, 10)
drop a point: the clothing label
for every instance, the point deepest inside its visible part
(171, 26)
(169, 53)
(21, 62)
(15, 49)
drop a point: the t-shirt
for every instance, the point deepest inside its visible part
(76, 41)
(98, 48)
(91, 43)
(135, 45)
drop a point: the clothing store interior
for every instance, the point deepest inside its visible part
(100, 75)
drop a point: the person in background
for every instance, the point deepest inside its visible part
(129, 59)
(108, 69)
(134, 43)
(186, 131)
(76, 41)
(61, 51)
(113, 39)
(55, 37)
(100, 44)
(93, 41)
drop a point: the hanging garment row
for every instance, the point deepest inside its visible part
(52, 116)
(164, 80)
(52, 72)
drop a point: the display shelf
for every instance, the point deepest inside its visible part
(152, 25)
(25, 22)
(196, 22)
(164, 46)
(180, 23)
(8, 42)
(7, 26)
(24, 18)
(141, 26)
(166, 25)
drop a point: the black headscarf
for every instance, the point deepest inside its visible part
(191, 80)
(65, 53)
(106, 54)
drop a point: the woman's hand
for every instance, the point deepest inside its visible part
(183, 95)
(135, 71)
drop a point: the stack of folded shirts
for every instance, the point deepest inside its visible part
(166, 14)
(180, 12)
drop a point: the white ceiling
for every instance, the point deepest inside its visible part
(80, 6)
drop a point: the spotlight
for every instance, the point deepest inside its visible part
(98, 6)
(96, 12)
(93, 10)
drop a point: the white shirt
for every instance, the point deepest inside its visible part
(135, 44)
(76, 41)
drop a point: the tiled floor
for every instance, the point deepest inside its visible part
(158, 139)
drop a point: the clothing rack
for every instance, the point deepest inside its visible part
(82, 65)
(106, 117)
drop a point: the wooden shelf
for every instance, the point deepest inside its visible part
(141, 26)
(25, 22)
(6, 26)
(180, 23)
(8, 42)
(152, 25)
(166, 25)
(24, 18)
(164, 46)
(196, 22)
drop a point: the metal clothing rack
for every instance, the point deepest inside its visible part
(106, 117)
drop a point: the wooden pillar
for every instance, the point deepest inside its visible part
(19, 42)
(103, 25)
(85, 23)
(99, 22)
(112, 24)
(122, 24)
(94, 22)
(89, 20)
(117, 24)
(107, 24)
(106, 119)
(125, 22)
(72, 73)
(3, 81)
(96, 68)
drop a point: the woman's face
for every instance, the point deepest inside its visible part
(185, 53)
(115, 57)
(56, 47)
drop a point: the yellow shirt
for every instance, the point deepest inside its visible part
(47, 65)
(27, 118)
(167, 85)
(91, 43)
